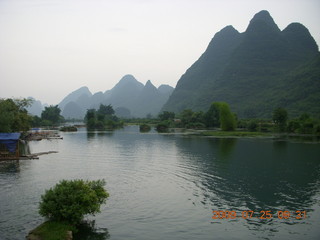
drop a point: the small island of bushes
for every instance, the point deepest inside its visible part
(65, 205)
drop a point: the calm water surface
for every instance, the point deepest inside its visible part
(166, 186)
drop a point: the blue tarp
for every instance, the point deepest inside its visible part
(10, 140)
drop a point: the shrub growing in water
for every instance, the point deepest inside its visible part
(70, 200)
(144, 128)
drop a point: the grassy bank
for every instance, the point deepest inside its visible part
(235, 134)
(51, 230)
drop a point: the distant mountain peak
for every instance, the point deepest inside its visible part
(253, 71)
(73, 96)
(128, 78)
(263, 17)
(300, 38)
(84, 88)
(149, 84)
(228, 28)
(165, 89)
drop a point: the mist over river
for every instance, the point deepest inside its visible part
(167, 186)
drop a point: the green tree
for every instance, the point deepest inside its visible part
(165, 115)
(70, 200)
(52, 114)
(91, 114)
(212, 116)
(219, 114)
(36, 121)
(186, 116)
(102, 118)
(227, 118)
(280, 117)
(106, 110)
(253, 125)
(14, 116)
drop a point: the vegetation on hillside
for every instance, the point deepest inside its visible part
(254, 72)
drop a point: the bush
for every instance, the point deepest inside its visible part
(70, 200)
(253, 125)
(69, 129)
(196, 125)
(227, 119)
(163, 126)
(144, 128)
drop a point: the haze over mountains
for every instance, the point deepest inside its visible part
(255, 71)
(129, 98)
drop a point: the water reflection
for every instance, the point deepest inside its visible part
(226, 147)
(165, 186)
(93, 134)
(257, 175)
(88, 231)
(9, 167)
(24, 148)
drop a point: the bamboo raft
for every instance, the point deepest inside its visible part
(35, 155)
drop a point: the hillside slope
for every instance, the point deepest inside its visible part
(253, 71)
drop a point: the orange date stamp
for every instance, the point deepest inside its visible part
(248, 214)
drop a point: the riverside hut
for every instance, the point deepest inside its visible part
(9, 146)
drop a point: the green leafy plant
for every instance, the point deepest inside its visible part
(144, 127)
(70, 200)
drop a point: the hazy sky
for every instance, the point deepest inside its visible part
(49, 48)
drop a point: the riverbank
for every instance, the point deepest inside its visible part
(241, 134)
(237, 134)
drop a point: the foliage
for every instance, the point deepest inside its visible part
(165, 115)
(235, 134)
(52, 115)
(212, 116)
(163, 126)
(106, 110)
(190, 119)
(305, 124)
(52, 230)
(227, 119)
(253, 125)
(144, 128)
(36, 121)
(14, 116)
(103, 118)
(69, 129)
(195, 125)
(70, 200)
(280, 117)
(186, 116)
(219, 114)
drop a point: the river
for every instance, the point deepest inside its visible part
(167, 186)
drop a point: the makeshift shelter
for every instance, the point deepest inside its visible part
(9, 146)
